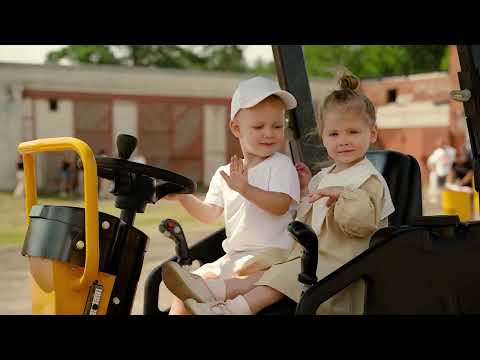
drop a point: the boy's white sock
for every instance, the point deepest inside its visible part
(217, 287)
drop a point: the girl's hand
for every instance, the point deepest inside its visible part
(238, 179)
(304, 175)
(171, 197)
(332, 192)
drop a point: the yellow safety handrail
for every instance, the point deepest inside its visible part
(27, 149)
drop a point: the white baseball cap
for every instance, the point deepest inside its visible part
(250, 92)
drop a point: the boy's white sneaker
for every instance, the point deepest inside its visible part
(185, 285)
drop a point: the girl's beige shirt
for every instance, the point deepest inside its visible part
(343, 231)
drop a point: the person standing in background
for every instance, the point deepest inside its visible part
(19, 187)
(439, 163)
(65, 176)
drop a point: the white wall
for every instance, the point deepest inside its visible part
(28, 123)
(49, 124)
(134, 81)
(215, 142)
(415, 114)
(11, 129)
(54, 123)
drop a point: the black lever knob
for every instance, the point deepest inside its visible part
(126, 144)
(172, 229)
(306, 237)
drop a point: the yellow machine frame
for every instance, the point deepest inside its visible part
(57, 287)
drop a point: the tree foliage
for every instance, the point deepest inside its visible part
(372, 61)
(210, 57)
(84, 54)
(365, 61)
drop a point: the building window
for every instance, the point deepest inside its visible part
(53, 104)
(391, 95)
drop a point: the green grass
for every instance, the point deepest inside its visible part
(13, 218)
(11, 238)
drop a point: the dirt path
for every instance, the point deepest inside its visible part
(15, 290)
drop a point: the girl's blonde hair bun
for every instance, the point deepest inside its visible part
(348, 81)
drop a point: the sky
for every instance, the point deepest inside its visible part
(35, 54)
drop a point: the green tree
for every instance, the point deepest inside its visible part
(322, 60)
(224, 57)
(445, 63)
(370, 61)
(380, 60)
(91, 54)
(167, 56)
(210, 57)
(262, 67)
(365, 61)
(425, 58)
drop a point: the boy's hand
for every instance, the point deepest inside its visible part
(332, 192)
(304, 175)
(174, 197)
(238, 179)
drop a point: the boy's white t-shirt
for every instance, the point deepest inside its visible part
(247, 226)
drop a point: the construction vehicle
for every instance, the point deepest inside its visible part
(417, 265)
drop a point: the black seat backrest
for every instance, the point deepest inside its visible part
(402, 174)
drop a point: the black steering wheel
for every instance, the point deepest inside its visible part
(108, 166)
(166, 182)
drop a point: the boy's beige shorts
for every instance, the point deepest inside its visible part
(242, 263)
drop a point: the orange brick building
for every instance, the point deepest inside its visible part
(415, 111)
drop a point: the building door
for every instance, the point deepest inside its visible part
(93, 124)
(171, 136)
